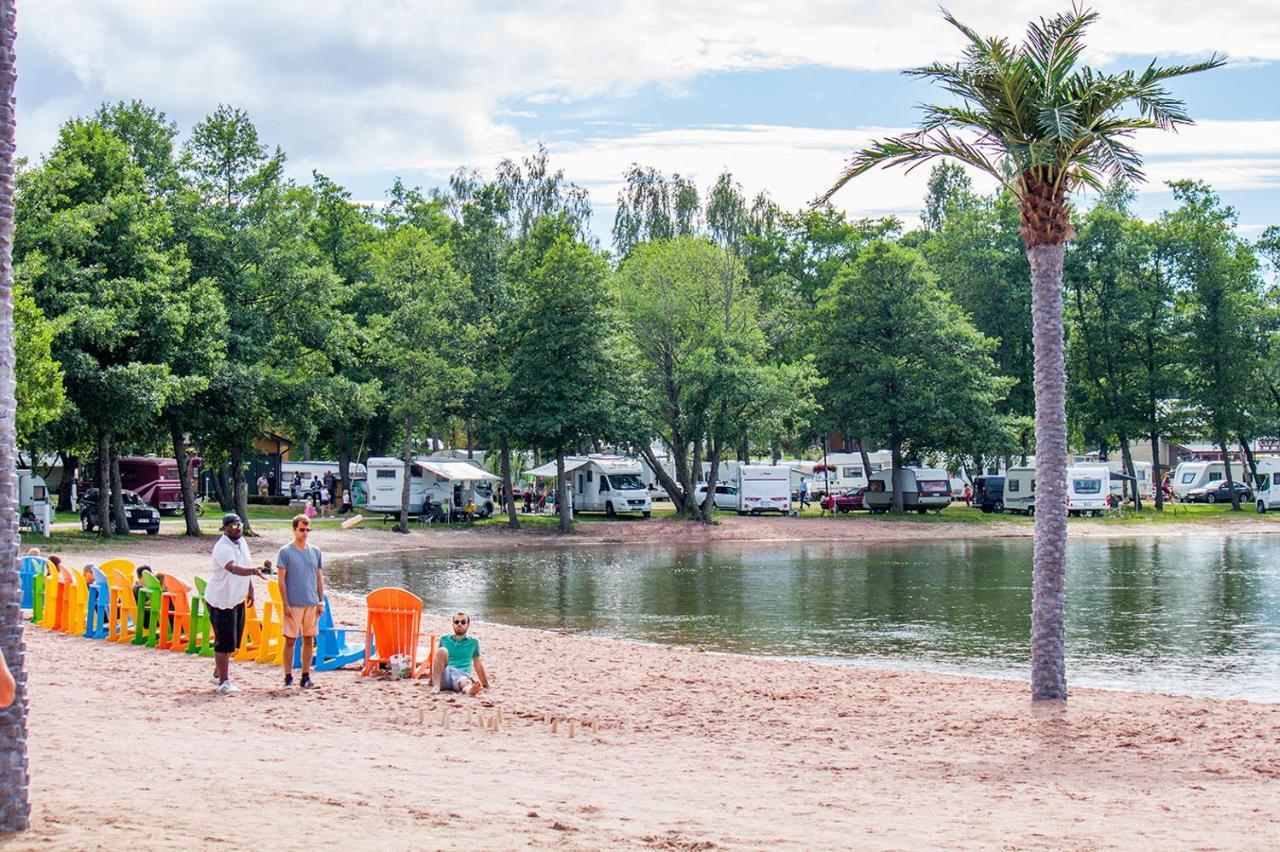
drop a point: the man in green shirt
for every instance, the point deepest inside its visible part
(456, 666)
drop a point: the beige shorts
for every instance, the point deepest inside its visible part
(300, 620)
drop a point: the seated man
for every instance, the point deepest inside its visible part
(451, 668)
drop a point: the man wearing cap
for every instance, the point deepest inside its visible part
(230, 585)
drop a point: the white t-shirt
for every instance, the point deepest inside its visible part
(226, 590)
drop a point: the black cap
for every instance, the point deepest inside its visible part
(231, 518)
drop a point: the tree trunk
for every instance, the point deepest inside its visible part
(1127, 458)
(713, 474)
(117, 494)
(188, 493)
(1155, 470)
(1231, 485)
(240, 488)
(562, 493)
(104, 484)
(664, 479)
(866, 461)
(222, 488)
(1248, 457)
(504, 447)
(406, 457)
(70, 467)
(895, 454)
(344, 462)
(1049, 573)
(15, 809)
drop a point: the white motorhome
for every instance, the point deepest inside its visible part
(1197, 474)
(1020, 490)
(1266, 492)
(600, 483)
(444, 480)
(842, 471)
(1141, 469)
(33, 501)
(923, 488)
(1088, 488)
(764, 488)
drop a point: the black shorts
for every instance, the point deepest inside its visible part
(228, 628)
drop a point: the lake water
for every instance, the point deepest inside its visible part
(1198, 615)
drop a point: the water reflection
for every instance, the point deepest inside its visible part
(1195, 615)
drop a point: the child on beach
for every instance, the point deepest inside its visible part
(455, 659)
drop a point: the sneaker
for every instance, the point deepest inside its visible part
(227, 687)
(213, 679)
(288, 680)
(307, 682)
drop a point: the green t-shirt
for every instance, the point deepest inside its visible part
(461, 651)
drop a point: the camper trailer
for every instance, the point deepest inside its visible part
(1196, 474)
(609, 484)
(34, 510)
(923, 489)
(1020, 490)
(838, 472)
(1141, 469)
(764, 488)
(446, 481)
(1088, 488)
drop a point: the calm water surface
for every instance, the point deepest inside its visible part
(1191, 615)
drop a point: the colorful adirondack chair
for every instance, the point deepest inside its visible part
(31, 567)
(149, 610)
(392, 627)
(73, 599)
(52, 584)
(333, 650)
(251, 640)
(201, 629)
(271, 649)
(37, 593)
(122, 616)
(99, 606)
(175, 626)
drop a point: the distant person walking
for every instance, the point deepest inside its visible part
(262, 485)
(299, 568)
(968, 494)
(230, 587)
(804, 494)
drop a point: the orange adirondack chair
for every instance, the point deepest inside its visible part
(122, 615)
(392, 627)
(175, 607)
(73, 599)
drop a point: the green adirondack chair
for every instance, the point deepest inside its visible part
(37, 595)
(201, 629)
(149, 611)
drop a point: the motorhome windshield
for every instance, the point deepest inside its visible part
(626, 481)
(1087, 486)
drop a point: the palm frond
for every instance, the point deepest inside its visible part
(912, 150)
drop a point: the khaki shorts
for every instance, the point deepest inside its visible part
(303, 622)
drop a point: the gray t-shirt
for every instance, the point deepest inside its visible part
(302, 569)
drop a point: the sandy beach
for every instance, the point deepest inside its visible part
(672, 748)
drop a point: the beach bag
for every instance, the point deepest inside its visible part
(310, 511)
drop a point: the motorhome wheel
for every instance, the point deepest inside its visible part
(608, 509)
(1262, 508)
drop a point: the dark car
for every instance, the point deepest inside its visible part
(847, 501)
(139, 515)
(988, 493)
(1217, 492)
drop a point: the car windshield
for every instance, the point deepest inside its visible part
(131, 498)
(626, 481)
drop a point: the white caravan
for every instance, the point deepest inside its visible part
(1088, 487)
(844, 471)
(599, 483)
(445, 481)
(1141, 469)
(764, 488)
(1020, 490)
(923, 488)
(34, 509)
(1266, 493)
(1197, 474)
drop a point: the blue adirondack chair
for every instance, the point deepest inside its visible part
(333, 651)
(99, 606)
(31, 565)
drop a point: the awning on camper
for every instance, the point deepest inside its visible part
(458, 471)
(548, 470)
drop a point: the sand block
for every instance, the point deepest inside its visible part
(353, 521)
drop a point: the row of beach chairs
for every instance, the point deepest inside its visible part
(168, 615)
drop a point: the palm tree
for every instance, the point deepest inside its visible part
(1042, 127)
(15, 811)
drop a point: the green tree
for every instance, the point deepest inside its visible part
(1042, 127)
(903, 360)
(39, 391)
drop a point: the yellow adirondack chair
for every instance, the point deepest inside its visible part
(251, 640)
(122, 614)
(77, 592)
(271, 651)
(53, 604)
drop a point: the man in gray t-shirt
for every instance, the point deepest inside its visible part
(302, 593)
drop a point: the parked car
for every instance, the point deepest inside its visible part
(726, 496)
(139, 515)
(988, 493)
(846, 501)
(1218, 493)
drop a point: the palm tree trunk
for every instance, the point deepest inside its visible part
(1049, 566)
(15, 810)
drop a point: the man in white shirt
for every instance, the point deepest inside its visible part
(230, 584)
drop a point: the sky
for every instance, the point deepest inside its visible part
(779, 94)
